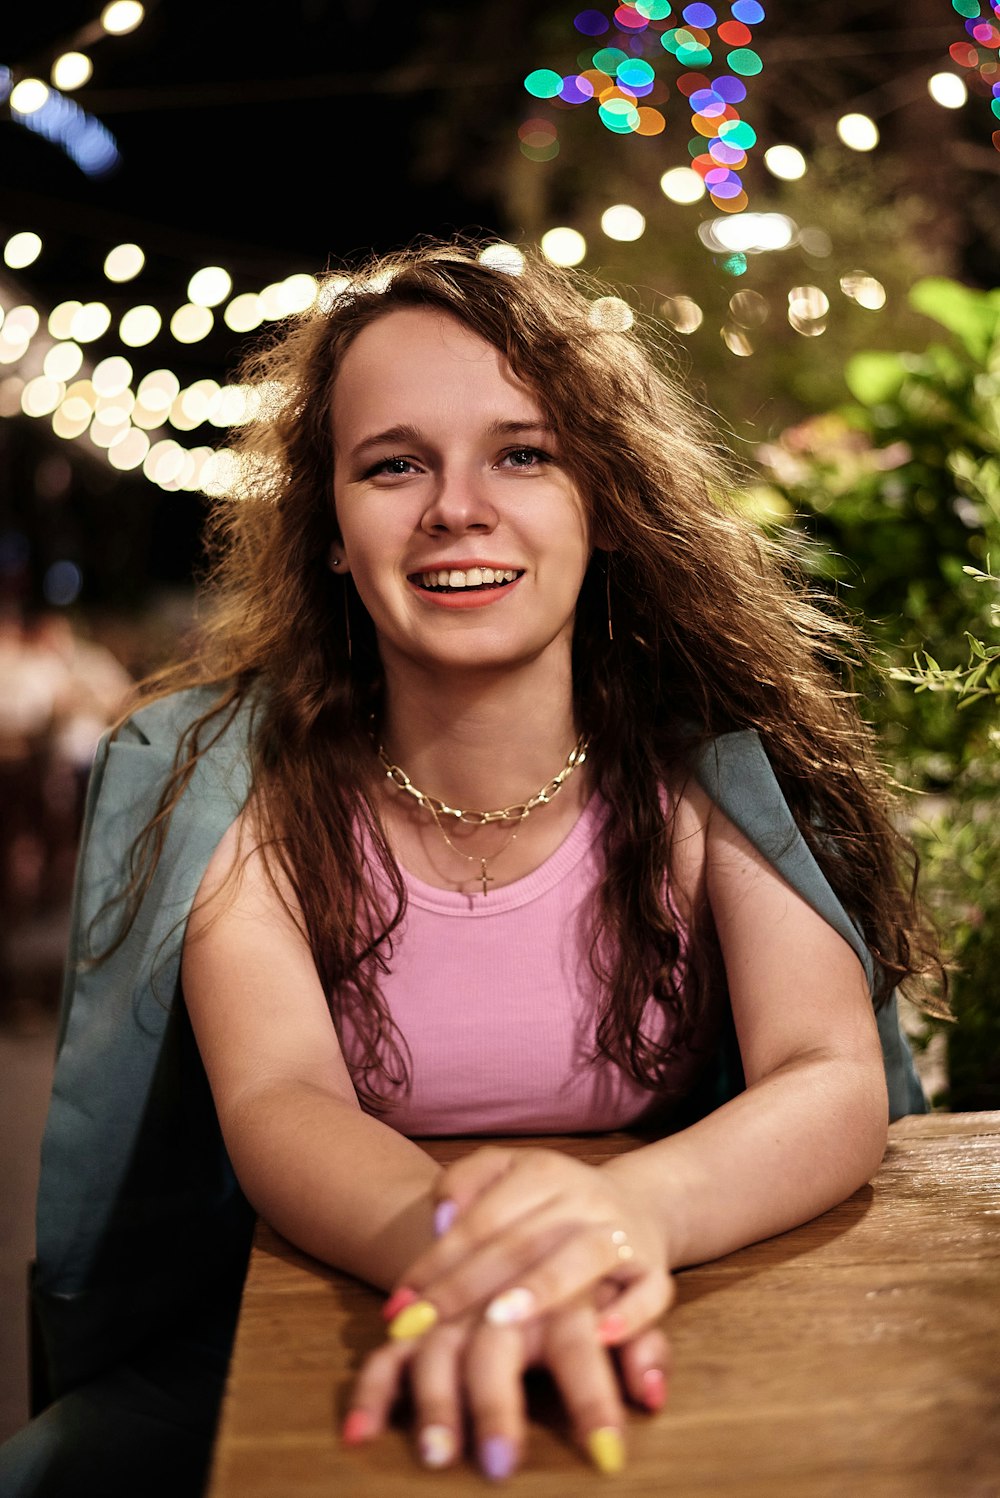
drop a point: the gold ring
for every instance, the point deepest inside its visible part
(624, 1248)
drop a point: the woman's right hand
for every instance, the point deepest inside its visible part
(467, 1375)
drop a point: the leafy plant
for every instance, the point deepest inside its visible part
(900, 489)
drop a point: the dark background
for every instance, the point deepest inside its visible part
(296, 136)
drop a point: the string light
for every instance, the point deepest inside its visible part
(621, 77)
(124, 262)
(22, 249)
(858, 132)
(563, 246)
(28, 96)
(71, 70)
(122, 16)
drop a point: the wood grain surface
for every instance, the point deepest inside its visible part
(856, 1357)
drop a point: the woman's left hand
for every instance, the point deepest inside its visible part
(526, 1231)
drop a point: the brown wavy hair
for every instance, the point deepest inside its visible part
(715, 630)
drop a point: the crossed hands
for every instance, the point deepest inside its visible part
(541, 1260)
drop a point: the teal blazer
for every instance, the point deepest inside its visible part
(138, 1207)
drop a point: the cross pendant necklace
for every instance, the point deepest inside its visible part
(486, 878)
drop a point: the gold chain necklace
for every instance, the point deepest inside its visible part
(516, 813)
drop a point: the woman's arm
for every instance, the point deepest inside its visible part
(809, 1130)
(811, 1126)
(340, 1184)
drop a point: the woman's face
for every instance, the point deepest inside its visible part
(466, 536)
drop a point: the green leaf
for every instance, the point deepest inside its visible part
(875, 377)
(971, 315)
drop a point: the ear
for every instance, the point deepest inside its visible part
(336, 560)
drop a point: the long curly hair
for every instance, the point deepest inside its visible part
(714, 630)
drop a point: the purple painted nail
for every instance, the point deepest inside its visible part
(496, 1457)
(444, 1215)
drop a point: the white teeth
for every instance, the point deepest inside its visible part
(475, 577)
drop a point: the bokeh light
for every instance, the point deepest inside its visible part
(858, 132)
(209, 286)
(28, 96)
(91, 322)
(948, 90)
(124, 262)
(623, 222)
(785, 162)
(63, 361)
(121, 16)
(503, 257)
(681, 184)
(190, 323)
(112, 375)
(139, 326)
(61, 317)
(682, 313)
(71, 70)
(609, 314)
(563, 246)
(22, 249)
(244, 313)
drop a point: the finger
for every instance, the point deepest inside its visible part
(588, 1385)
(636, 1306)
(646, 1364)
(585, 1258)
(494, 1379)
(435, 1392)
(376, 1389)
(465, 1180)
(474, 1222)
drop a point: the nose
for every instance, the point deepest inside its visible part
(460, 503)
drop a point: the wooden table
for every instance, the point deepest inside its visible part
(856, 1357)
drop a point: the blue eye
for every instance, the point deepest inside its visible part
(526, 457)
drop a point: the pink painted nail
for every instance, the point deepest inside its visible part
(611, 1329)
(357, 1427)
(654, 1387)
(398, 1301)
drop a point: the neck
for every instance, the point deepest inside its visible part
(478, 744)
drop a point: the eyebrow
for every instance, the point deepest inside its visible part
(407, 433)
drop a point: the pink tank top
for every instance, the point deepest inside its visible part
(498, 1004)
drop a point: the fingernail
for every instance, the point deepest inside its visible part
(436, 1444)
(654, 1388)
(510, 1307)
(611, 1329)
(412, 1321)
(444, 1215)
(357, 1427)
(607, 1450)
(398, 1301)
(497, 1457)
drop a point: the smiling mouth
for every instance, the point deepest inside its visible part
(475, 579)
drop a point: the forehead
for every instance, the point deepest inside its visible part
(418, 362)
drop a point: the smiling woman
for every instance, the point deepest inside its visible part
(515, 788)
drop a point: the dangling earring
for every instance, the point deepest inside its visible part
(347, 622)
(607, 579)
(335, 562)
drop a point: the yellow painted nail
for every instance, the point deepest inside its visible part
(607, 1450)
(412, 1321)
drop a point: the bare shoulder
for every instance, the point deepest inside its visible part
(251, 986)
(243, 882)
